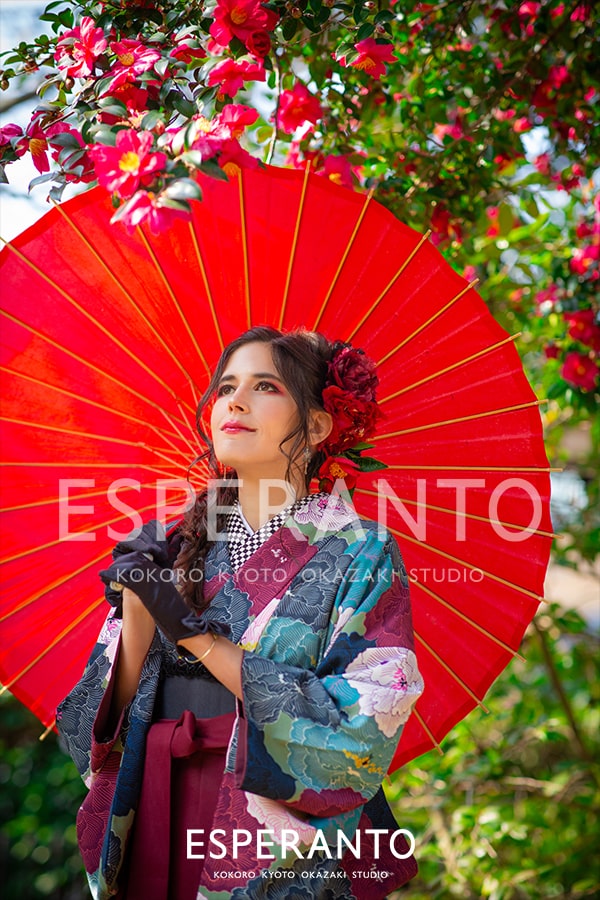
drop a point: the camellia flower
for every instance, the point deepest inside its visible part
(583, 259)
(233, 157)
(146, 208)
(372, 57)
(231, 74)
(336, 468)
(7, 132)
(583, 327)
(236, 117)
(36, 142)
(187, 53)
(580, 370)
(339, 170)
(258, 44)
(296, 107)
(354, 419)
(240, 19)
(133, 59)
(78, 49)
(130, 163)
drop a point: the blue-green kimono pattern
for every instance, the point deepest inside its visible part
(329, 678)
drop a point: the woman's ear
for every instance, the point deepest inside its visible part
(320, 425)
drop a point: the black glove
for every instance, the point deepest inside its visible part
(156, 589)
(151, 540)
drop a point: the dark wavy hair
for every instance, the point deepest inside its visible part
(301, 359)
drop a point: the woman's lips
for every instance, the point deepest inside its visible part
(234, 428)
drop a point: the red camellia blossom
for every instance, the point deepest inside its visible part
(186, 52)
(297, 107)
(78, 49)
(584, 258)
(237, 117)
(354, 371)
(123, 168)
(338, 169)
(133, 59)
(36, 142)
(580, 371)
(240, 19)
(259, 44)
(231, 74)
(233, 157)
(146, 208)
(372, 57)
(583, 327)
(354, 419)
(338, 468)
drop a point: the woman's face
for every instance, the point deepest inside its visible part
(252, 414)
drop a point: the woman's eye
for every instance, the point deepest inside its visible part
(224, 389)
(266, 386)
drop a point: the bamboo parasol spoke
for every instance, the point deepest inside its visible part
(294, 244)
(451, 672)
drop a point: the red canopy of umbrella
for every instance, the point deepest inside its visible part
(107, 343)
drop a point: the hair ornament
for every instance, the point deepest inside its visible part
(349, 396)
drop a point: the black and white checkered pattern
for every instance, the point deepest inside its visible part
(243, 542)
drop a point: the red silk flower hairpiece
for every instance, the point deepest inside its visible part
(349, 397)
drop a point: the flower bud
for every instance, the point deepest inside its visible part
(295, 12)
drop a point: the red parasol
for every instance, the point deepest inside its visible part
(107, 343)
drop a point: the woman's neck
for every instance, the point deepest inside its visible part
(262, 499)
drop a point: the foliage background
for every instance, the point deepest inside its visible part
(480, 127)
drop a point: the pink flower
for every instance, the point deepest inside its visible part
(547, 297)
(231, 75)
(209, 135)
(583, 259)
(123, 168)
(551, 351)
(78, 49)
(133, 59)
(187, 53)
(233, 157)
(542, 163)
(9, 131)
(240, 18)
(35, 141)
(296, 107)
(522, 124)
(146, 208)
(236, 117)
(339, 170)
(444, 227)
(372, 57)
(580, 371)
(583, 327)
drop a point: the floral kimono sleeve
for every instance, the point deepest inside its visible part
(321, 739)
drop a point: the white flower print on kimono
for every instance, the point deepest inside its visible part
(394, 669)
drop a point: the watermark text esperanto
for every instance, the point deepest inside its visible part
(76, 505)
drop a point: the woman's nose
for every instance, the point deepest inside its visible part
(238, 400)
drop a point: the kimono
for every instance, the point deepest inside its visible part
(329, 677)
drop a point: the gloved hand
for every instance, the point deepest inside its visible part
(156, 589)
(152, 540)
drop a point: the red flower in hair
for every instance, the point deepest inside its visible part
(335, 468)
(354, 371)
(354, 418)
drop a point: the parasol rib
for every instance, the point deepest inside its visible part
(40, 547)
(488, 634)
(458, 419)
(88, 465)
(34, 504)
(343, 259)
(88, 434)
(431, 319)
(50, 587)
(55, 641)
(110, 409)
(99, 259)
(209, 295)
(450, 368)
(244, 227)
(174, 300)
(452, 673)
(375, 304)
(468, 565)
(50, 728)
(288, 277)
(178, 431)
(81, 309)
(427, 731)
(467, 515)
(195, 435)
(87, 362)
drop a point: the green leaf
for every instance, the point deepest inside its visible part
(370, 464)
(192, 158)
(365, 31)
(151, 119)
(183, 189)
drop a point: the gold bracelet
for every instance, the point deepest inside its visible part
(188, 656)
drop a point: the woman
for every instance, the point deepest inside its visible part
(238, 749)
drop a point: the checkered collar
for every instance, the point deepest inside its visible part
(243, 542)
